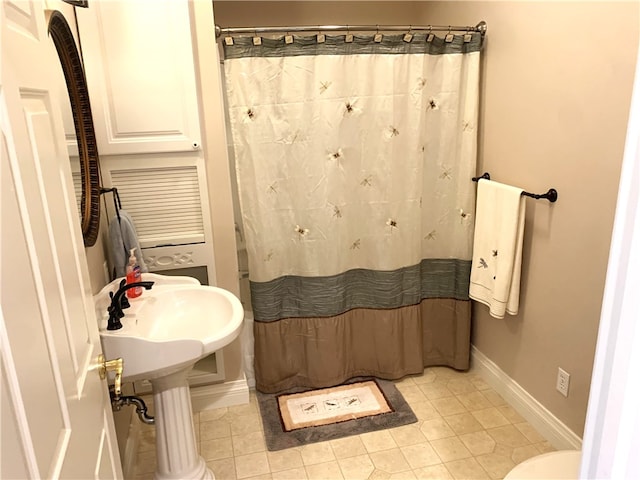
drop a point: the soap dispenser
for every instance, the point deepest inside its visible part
(133, 275)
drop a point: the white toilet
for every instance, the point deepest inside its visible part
(564, 464)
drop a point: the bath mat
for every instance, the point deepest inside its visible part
(358, 406)
(325, 406)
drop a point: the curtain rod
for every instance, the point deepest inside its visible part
(480, 27)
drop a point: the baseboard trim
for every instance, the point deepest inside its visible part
(220, 395)
(131, 448)
(547, 424)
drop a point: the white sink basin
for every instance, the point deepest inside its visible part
(169, 327)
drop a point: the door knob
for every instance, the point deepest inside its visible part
(116, 366)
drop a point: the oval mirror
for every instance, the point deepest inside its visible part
(83, 123)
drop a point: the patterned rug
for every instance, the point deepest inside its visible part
(297, 418)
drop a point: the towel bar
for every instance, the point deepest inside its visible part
(551, 195)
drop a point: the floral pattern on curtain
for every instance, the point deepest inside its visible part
(354, 165)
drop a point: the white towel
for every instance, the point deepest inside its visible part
(497, 247)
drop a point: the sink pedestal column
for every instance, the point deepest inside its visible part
(176, 449)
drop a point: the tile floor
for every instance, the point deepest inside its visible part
(465, 430)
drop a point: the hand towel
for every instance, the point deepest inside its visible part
(124, 237)
(497, 248)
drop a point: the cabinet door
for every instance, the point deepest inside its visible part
(140, 72)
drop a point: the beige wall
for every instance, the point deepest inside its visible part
(96, 255)
(556, 90)
(276, 13)
(555, 100)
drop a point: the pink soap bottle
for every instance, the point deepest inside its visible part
(133, 275)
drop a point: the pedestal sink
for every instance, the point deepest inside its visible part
(165, 332)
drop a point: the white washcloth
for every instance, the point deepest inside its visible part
(497, 248)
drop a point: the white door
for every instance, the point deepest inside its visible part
(56, 419)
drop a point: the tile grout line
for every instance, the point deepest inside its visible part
(434, 383)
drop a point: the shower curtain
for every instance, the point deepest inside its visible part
(354, 163)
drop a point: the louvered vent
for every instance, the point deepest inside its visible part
(164, 204)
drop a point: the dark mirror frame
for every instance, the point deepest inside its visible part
(83, 122)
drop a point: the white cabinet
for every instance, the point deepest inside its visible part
(139, 65)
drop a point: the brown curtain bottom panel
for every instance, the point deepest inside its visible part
(385, 343)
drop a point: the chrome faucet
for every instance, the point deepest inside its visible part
(118, 302)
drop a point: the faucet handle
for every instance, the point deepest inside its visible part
(113, 310)
(124, 302)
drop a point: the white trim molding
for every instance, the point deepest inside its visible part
(220, 395)
(130, 456)
(545, 422)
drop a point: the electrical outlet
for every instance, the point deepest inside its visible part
(562, 382)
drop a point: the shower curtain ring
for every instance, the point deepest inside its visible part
(256, 39)
(348, 38)
(408, 36)
(449, 37)
(430, 34)
(378, 36)
(468, 36)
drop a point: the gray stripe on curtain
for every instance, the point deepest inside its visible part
(295, 296)
(362, 44)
